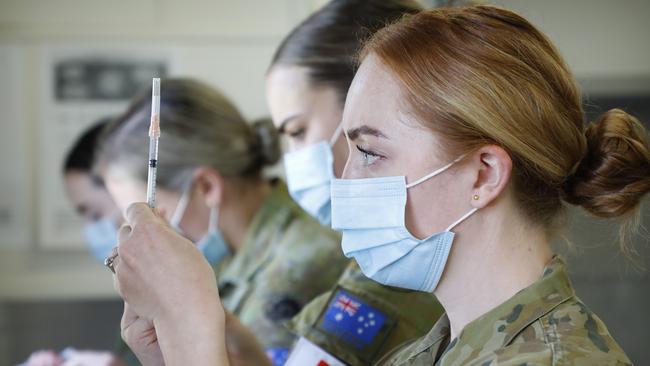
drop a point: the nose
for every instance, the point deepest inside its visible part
(346, 170)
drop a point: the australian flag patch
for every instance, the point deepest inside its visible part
(352, 320)
(278, 355)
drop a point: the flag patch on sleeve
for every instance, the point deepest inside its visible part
(352, 320)
(278, 355)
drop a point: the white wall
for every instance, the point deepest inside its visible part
(604, 42)
(227, 43)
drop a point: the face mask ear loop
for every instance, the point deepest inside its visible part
(176, 218)
(337, 133)
(470, 213)
(214, 220)
(431, 175)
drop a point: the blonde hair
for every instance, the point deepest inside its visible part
(200, 127)
(484, 75)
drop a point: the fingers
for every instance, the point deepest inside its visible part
(139, 212)
(117, 270)
(124, 233)
(160, 212)
(116, 285)
(128, 318)
(135, 328)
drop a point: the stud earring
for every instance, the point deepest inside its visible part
(475, 197)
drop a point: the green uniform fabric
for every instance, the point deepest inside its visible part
(286, 260)
(410, 315)
(544, 324)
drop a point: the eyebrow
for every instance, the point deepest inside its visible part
(284, 123)
(354, 133)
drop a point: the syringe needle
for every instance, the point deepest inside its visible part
(154, 135)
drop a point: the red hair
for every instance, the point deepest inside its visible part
(484, 75)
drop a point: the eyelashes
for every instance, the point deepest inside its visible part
(296, 134)
(368, 157)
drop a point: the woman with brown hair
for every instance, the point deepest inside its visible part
(306, 86)
(465, 127)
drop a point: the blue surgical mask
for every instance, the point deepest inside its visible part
(370, 213)
(310, 171)
(212, 245)
(101, 236)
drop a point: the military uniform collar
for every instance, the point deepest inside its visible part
(498, 327)
(434, 340)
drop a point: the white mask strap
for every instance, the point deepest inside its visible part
(431, 175)
(181, 207)
(470, 213)
(337, 133)
(214, 220)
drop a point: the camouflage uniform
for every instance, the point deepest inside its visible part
(286, 260)
(544, 324)
(406, 314)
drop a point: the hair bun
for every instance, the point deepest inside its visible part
(614, 175)
(267, 141)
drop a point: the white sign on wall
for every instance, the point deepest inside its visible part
(82, 84)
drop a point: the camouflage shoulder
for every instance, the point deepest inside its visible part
(360, 320)
(568, 335)
(583, 338)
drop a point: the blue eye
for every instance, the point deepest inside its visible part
(368, 157)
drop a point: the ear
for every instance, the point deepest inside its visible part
(210, 185)
(494, 172)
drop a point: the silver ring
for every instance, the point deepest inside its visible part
(110, 262)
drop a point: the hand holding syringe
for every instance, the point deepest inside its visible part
(154, 135)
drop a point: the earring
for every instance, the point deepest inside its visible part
(475, 197)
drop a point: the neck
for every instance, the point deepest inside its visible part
(241, 204)
(492, 259)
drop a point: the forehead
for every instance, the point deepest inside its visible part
(81, 187)
(375, 98)
(286, 86)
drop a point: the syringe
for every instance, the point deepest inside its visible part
(154, 135)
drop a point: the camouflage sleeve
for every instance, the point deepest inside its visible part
(359, 320)
(306, 261)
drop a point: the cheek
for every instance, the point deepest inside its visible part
(108, 207)
(423, 212)
(294, 144)
(315, 133)
(435, 205)
(125, 194)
